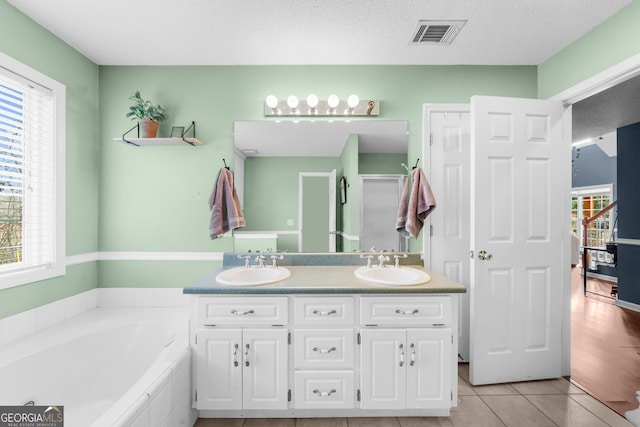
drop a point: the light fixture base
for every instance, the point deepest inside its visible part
(363, 108)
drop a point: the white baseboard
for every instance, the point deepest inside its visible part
(628, 305)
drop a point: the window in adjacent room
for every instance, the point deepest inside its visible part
(32, 111)
(586, 202)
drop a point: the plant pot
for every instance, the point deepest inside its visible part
(148, 128)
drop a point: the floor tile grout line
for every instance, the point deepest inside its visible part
(593, 413)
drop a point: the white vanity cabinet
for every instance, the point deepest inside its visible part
(318, 355)
(242, 368)
(406, 352)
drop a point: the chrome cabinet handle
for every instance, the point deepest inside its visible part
(408, 312)
(324, 350)
(324, 393)
(246, 355)
(235, 352)
(413, 355)
(241, 313)
(324, 313)
(401, 355)
(484, 256)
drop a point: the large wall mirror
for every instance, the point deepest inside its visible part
(319, 186)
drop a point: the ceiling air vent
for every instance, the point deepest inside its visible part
(437, 32)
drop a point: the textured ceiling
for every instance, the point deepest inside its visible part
(284, 32)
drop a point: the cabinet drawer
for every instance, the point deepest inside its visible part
(242, 311)
(324, 349)
(324, 311)
(410, 311)
(324, 389)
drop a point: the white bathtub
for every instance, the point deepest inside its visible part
(107, 367)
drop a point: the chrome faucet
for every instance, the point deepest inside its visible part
(381, 259)
(368, 258)
(274, 259)
(247, 260)
(260, 259)
(397, 258)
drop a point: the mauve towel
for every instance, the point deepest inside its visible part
(226, 213)
(420, 204)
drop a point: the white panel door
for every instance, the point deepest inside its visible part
(265, 369)
(448, 127)
(517, 211)
(383, 374)
(219, 379)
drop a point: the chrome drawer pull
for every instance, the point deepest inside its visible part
(235, 351)
(324, 313)
(241, 313)
(401, 363)
(324, 393)
(324, 350)
(413, 355)
(414, 311)
(246, 355)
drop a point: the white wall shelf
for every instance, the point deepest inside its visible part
(145, 142)
(174, 140)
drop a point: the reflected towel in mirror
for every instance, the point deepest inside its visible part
(226, 212)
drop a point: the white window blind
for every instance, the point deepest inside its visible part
(29, 181)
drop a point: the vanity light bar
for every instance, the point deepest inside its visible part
(312, 106)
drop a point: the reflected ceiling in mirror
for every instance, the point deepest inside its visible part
(256, 138)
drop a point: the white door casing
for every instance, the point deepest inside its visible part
(447, 144)
(517, 227)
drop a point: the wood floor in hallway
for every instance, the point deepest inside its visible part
(605, 345)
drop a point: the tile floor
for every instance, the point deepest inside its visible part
(528, 404)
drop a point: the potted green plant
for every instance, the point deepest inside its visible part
(148, 115)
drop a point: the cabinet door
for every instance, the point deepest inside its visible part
(428, 368)
(219, 379)
(264, 361)
(383, 367)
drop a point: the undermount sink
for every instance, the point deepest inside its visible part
(243, 276)
(391, 276)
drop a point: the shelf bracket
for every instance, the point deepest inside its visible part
(137, 126)
(184, 133)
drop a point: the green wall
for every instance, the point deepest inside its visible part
(123, 198)
(155, 199)
(615, 40)
(28, 42)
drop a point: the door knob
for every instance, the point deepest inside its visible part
(484, 256)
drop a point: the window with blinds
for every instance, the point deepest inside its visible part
(31, 175)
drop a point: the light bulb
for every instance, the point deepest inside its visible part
(272, 102)
(312, 101)
(333, 101)
(353, 101)
(292, 102)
